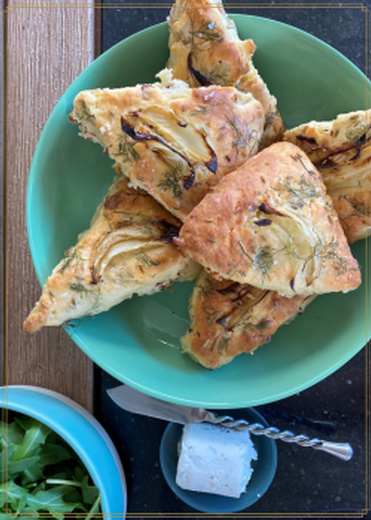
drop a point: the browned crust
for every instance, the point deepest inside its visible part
(270, 224)
(205, 48)
(225, 123)
(229, 319)
(341, 149)
(90, 280)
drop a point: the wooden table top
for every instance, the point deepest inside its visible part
(40, 47)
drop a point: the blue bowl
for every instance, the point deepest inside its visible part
(82, 432)
(264, 469)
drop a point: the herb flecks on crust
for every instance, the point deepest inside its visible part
(272, 225)
(229, 319)
(173, 141)
(127, 250)
(205, 49)
(341, 151)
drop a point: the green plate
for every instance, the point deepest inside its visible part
(137, 342)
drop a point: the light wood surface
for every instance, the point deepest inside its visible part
(45, 50)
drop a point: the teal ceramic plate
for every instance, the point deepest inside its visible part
(138, 341)
(264, 469)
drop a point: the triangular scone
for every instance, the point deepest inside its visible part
(270, 224)
(341, 151)
(228, 319)
(170, 140)
(206, 49)
(127, 250)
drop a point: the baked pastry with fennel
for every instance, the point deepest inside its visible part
(228, 319)
(127, 250)
(341, 151)
(205, 49)
(173, 141)
(270, 224)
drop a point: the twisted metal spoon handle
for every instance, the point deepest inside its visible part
(341, 450)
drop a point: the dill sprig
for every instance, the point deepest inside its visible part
(329, 251)
(126, 151)
(78, 287)
(240, 139)
(221, 343)
(211, 315)
(84, 112)
(260, 327)
(171, 181)
(263, 260)
(310, 171)
(244, 252)
(269, 118)
(303, 191)
(69, 259)
(206, 31)
(220, 75)
(144, 259)
(205, 109)
(356, 133)
(94, 308)
(207, 286)
(359, 208)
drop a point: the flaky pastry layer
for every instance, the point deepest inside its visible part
(228, 319)
(170, 140)
(205, 49)
(127, 250)
(341, 151)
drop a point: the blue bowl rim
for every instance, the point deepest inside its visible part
(256, 418)
(11, 399)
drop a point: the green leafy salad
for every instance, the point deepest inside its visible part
(41, 476)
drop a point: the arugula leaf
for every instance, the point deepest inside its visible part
(11, 494)
(89, 493)
(10, 469)
(31, 474)
(42, 475)
(11, 434)
(95, 509)
(79, 474)
(53, 454)
(74, 495)
(52, 500)
(35, 435)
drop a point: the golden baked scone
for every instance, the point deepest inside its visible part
(205, 49)
(127, 250)
(228, 319)
(341, 151)
(170, 140)
(270, 224)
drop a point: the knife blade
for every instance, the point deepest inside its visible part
(134, 401)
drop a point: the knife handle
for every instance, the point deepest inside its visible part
(341, 450)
